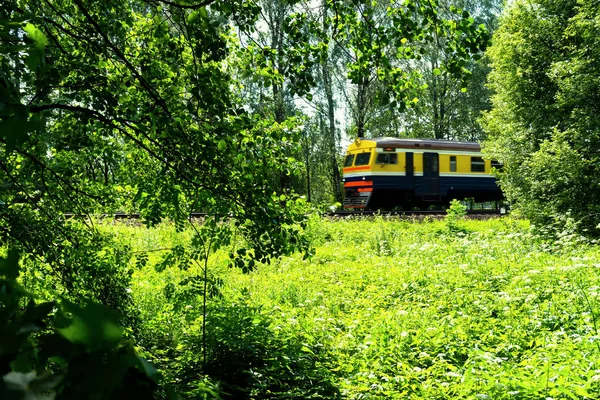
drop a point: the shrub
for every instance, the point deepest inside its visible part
(455, 213)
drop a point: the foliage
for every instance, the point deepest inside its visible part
(372, 44)
(448, 104)
(123, 105)
(454, 214)
(130, 105)
(385, 308)
(382, 41)
(544, 123)
(252, 361)
(448, 109)
(323, 158)
(64, 350)
(154, 101)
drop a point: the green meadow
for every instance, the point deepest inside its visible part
(383, 309)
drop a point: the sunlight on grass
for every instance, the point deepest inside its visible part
(393, 309)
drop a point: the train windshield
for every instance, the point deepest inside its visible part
(349, 160)
(362, 159)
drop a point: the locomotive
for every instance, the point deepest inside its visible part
(391, 173)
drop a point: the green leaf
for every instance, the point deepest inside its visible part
(38, 37)
(34, 58)
(15, 129)
(222, 145)
(9, 266)
(93, 325)
(147, 367)
(193, 17)
(437, 71)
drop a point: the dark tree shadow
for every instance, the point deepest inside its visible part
(251, 362)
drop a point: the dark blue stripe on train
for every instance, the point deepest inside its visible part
(446, 183)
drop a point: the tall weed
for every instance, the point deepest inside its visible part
(384, 309)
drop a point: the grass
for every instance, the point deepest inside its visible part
(384, 309)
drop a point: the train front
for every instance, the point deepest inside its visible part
(358, 185)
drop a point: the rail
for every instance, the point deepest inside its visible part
(422, 214)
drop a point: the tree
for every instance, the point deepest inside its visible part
(376, 42)
(447, 107)
(97, 115)
(128, 104)
(544, 122)
(151, 82)
(266, 63)
(384, 43)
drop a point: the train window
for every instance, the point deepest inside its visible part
(434, 161)
(477, 164)
(452, 163)
(362, 159)
(497, 166)
(387, 158)
(349, 160)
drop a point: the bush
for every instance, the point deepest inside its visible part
(64, 350)
(455, 213)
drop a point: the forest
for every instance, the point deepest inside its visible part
(242, 110)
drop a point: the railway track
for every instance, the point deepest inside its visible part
(422, 214)
(418, 215)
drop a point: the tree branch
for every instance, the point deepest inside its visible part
(161, 102)
(182, 6)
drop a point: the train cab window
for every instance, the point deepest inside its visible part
(497, 166)
(362, 159)
(477, 164)
(452, 163)
(387, 158)
(349, 160)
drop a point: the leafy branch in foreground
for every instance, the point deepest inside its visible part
(64, 350)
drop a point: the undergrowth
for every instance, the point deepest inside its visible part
(383, 309)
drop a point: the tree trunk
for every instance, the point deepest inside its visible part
(361, 108)
(276, 20)
(331, 133)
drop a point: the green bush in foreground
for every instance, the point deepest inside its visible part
(64, 350)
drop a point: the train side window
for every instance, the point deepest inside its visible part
(362, 159)
(387, 158)
(452, 163)
(497, 166)
(477, 164)
(349, 160)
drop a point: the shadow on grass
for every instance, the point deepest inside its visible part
(252, 362)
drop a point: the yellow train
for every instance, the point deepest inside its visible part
(388, 173)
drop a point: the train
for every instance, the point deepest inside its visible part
(416, 174)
